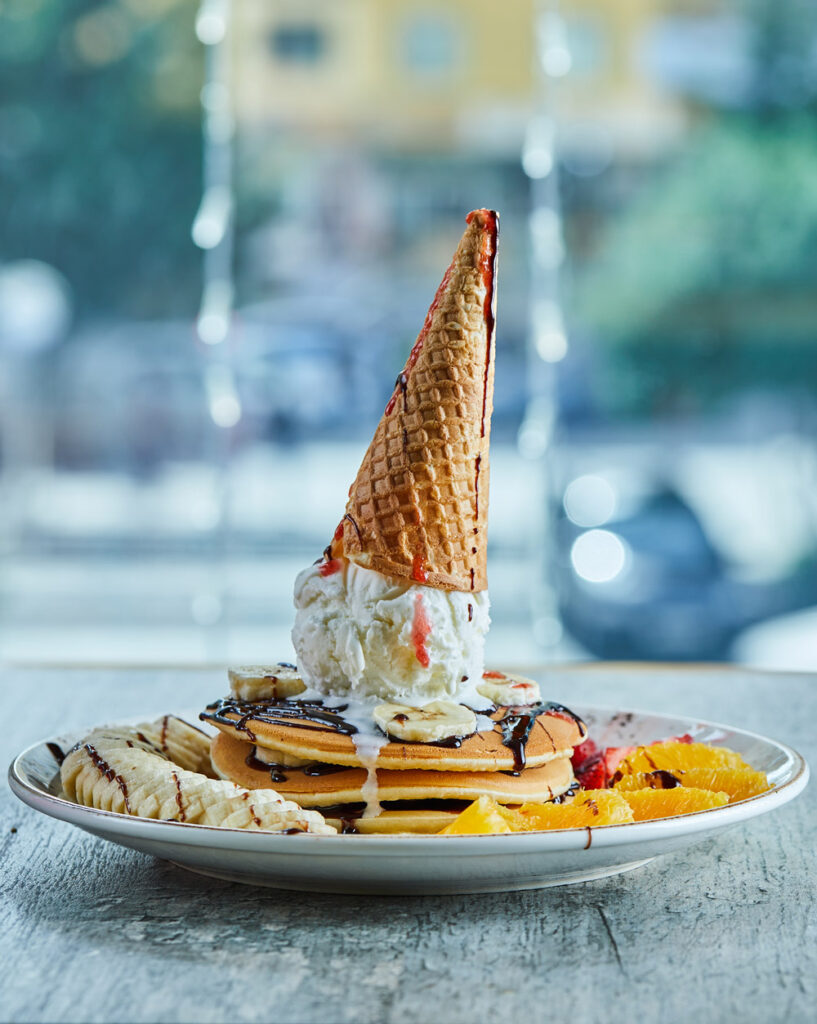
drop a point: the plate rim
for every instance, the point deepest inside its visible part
(113, 823)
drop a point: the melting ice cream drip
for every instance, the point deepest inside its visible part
(367, 738)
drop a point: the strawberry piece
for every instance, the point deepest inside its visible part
(583, 753)
(686, 738)
(613, 756)
(593, 767)
(592, 774)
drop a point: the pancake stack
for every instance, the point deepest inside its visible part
(318, 752)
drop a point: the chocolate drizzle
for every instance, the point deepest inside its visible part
(518, 722)
(318, 769)
(568, 794)
(151, 745)
(560, 709)
(354, 525)
(402, 383)
(661, 779)
(276, 771)
(298, 714)
(179, 801)
(352, 811)
(108, 772)
(451, 742)
(515, 725)
(56, 751)
(516, 729)
(163, 736)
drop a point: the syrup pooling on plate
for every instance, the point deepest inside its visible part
(56, 751)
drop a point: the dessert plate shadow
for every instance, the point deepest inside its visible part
(420, 865)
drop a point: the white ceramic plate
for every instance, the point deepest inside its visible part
(430, 864)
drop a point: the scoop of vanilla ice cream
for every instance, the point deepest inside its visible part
(362, 634)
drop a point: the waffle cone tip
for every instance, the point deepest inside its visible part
(418, 507)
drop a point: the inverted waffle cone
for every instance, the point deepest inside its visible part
(418, 508)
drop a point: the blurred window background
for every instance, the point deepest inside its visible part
(221, 225)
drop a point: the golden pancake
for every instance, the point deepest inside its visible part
(325, 785)
(522, 737)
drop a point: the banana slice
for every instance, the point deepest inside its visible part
(269, 756)
(439, 720)
(265, 682)
(179, 742)
(505, 688)
(121, 769)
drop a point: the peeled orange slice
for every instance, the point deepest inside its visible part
(482, 817)
(737, 783)
(647, 804)
(683, 756)
(589, 807)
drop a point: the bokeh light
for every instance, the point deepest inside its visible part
(598, 556)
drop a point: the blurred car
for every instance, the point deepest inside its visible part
(646, 582)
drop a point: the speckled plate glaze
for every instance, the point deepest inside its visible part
(404, 865)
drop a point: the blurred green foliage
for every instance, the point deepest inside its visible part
(100, 148)
(706, 283)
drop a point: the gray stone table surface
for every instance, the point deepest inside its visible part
(724, 931)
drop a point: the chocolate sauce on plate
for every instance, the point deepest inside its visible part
(56, 751)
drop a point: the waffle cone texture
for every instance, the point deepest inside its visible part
(418, 508)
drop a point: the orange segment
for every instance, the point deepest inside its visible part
(737, 783)
(660, 779)
(482, 817)
(683, 756)
(590, 807)
(647, 804)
